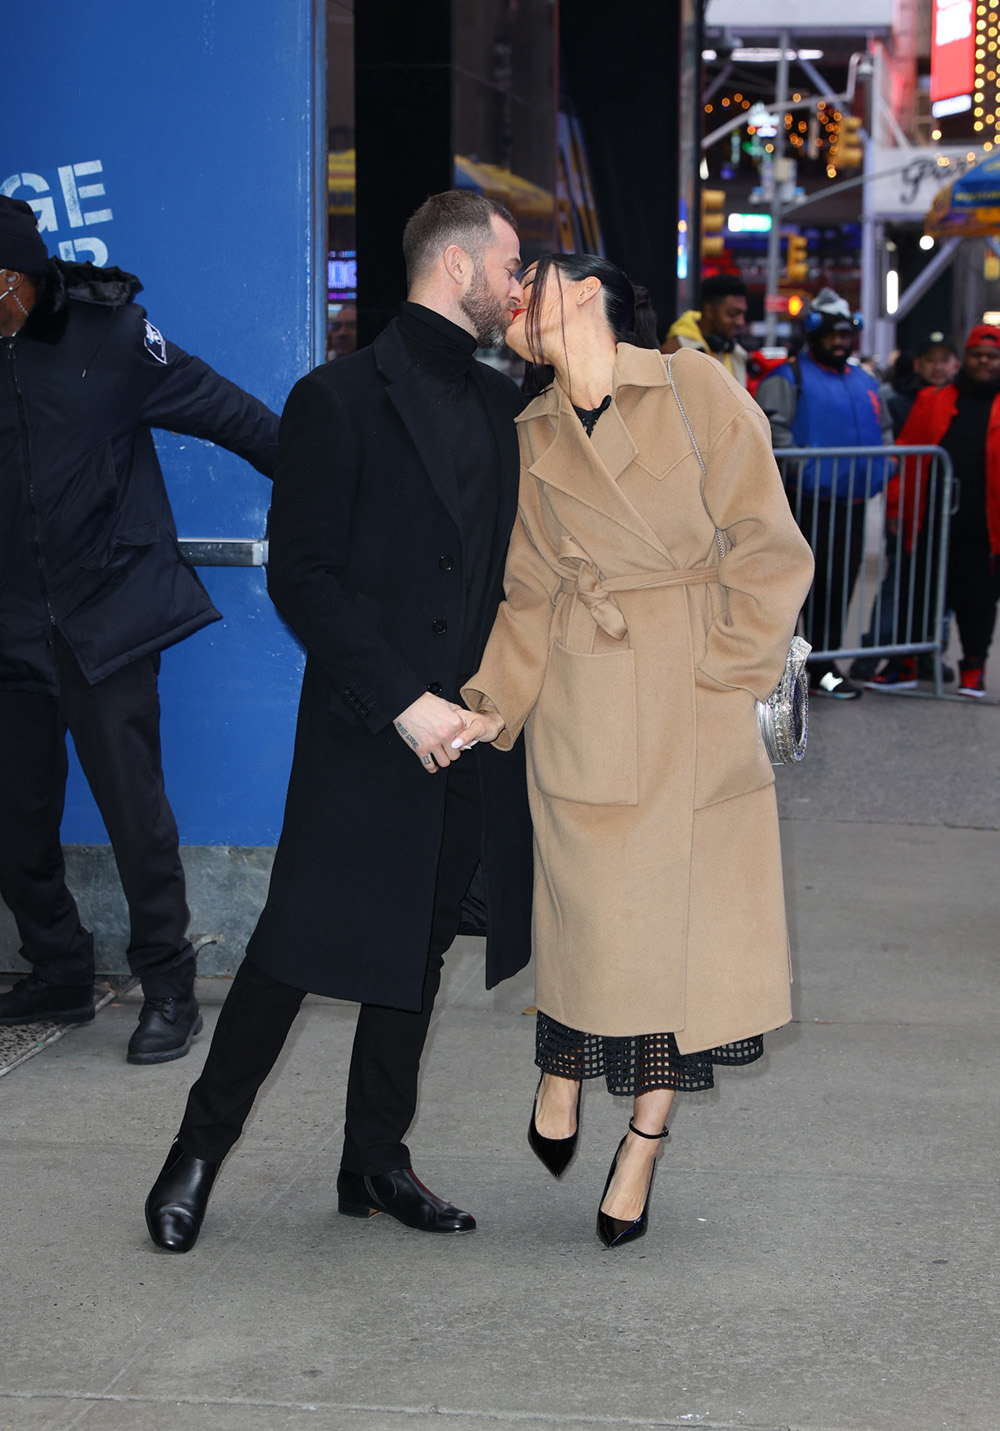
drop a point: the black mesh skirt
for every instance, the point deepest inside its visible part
(632, 1066)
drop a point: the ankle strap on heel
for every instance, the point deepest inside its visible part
(654, 1136)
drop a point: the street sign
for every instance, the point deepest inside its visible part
(775, 302)
(748, 223)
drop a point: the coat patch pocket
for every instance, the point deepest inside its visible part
(731, 756)
(582, 732)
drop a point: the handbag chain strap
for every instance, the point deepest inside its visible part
(694, 443)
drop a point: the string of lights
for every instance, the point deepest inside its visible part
(817, 137)
(986, 96)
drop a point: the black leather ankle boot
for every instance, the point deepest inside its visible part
(178, 1199)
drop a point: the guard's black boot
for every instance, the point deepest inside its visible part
(34, 1001)
(166, 1028)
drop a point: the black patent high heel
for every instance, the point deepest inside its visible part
(555, 1153)
(616, 1231)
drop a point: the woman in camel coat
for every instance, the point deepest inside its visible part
(648, 606)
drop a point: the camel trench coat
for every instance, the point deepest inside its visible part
(630, 651)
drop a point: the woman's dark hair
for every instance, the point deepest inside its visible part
(627, 308)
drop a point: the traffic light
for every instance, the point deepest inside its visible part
(713, 219)
(849, 150)
(797, 259)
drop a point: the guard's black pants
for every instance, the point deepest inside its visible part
(382, 1086)
(115, 727)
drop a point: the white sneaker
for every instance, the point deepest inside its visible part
(834, 686)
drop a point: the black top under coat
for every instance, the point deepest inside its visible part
(589, 415)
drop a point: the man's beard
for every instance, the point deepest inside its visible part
(836, 360)
(484, 310)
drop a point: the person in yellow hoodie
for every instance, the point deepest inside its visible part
(716, 328)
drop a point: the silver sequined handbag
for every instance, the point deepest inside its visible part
(784, 717)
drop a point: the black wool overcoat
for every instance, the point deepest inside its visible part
(366, 566)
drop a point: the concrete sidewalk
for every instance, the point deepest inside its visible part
(822, 1244)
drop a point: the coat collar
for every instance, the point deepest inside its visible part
(588, 468)
(634, 368)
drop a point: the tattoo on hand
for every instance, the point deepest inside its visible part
(406, 734)
(428, 760)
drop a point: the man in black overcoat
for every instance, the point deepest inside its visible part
(394, 498)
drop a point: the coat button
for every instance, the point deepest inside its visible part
(435, 688)
(439, 627)
(446, 563)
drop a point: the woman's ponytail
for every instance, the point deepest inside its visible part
(643, 333)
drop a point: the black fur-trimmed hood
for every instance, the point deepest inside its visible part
(84, 282)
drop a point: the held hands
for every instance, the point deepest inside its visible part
(481, 725)
(437, 731)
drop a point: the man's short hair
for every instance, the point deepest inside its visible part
(722, 285)
(456, 216)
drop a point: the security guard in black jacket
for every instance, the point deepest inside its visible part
(92, 588)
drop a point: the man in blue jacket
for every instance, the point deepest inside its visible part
(819, 399)
(92, 588)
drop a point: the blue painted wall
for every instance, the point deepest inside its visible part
(178, 141)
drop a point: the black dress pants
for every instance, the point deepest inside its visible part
(382, 1086)
(115, 726)
(973, 590)
(836, 533)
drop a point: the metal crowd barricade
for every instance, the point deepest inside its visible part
(901, 611)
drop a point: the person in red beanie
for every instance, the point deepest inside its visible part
(963, 417)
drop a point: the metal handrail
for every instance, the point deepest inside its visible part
(225, 551)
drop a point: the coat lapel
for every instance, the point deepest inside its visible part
(405, 392)
(586, 469)
(506, 439)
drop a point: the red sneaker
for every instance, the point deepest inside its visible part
(972, 682)
(897, 675)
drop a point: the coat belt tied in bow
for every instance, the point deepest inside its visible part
(582, 579)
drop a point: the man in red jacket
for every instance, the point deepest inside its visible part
(963, 417)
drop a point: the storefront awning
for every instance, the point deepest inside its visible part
(340, 183)
(968, 207)
(531, 206)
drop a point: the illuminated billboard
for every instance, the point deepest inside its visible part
(953, 48)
